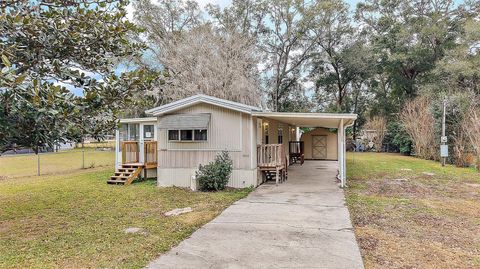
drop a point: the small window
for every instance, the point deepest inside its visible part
(173, 135)
(280, 135)
(186, 135)
(265, 132)
(201, 135)
(133, 132)
(148, 131)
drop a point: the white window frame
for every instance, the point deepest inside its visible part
(186, 141)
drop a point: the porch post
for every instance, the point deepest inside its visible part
(141, 150)
(344, 146)
(117, 147)
(341, 151)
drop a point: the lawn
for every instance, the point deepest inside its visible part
(76, 220)
(412, 213)
(53, 163)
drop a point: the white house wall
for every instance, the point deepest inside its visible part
(228, 130)
(181, 177)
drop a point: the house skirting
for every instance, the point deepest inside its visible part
(182, 177)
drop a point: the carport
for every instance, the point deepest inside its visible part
(339, 121)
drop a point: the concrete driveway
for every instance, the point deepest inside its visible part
(302, 223)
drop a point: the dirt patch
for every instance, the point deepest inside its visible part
(392, 251)
(404, 188)
(415, 220)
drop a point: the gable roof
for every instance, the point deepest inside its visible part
(201, 98)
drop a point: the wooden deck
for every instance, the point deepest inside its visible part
(132, 165)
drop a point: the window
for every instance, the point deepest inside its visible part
(173, 135)
(148, 131)
(200, 135)
(133, 132)
(280, 135)
(123, 130)
(187, 135)
(265, 132)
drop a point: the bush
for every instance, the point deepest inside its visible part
(215, 175)
(397, 139)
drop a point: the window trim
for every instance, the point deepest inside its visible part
(186, 141)
(152, 132)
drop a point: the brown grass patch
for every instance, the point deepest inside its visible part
(406, 219)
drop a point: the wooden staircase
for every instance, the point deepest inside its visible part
(271, 175)
(126, 174)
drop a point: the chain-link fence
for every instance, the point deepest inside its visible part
(20, 165)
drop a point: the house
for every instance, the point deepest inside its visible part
(179, 136)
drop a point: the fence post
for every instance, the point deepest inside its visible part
(83, 158)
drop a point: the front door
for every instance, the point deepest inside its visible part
(319, 147)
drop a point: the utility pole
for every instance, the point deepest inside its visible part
(444, 138)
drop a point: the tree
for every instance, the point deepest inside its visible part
(47, 46)
(471, 128)
(34, 117)
(246, 17)
(410, 37)
(418, 121)
(197, 57)
(340, 57)
(287, 46)
(459, 70)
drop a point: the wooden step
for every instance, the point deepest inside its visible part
(123, 173)
(126, 170)
(119, 177)
(110, 181)
(126, 174)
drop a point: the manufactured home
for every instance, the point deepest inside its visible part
(179, 136)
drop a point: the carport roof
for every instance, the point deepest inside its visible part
(326, 120)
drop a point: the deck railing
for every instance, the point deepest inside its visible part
(131, 152)
(296, 151)
(150, 153)
(271, 155)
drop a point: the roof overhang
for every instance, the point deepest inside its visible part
(138, 120)
(313, 120)
(197, 99)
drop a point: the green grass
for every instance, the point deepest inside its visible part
(76, 220)
(53, 163)
(413, 213)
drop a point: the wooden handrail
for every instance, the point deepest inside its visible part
(150, 152)
(130, 152)
(271, 155)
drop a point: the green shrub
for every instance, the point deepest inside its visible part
(215, 175)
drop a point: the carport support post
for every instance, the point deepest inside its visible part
(344, 146)
(341, 153)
